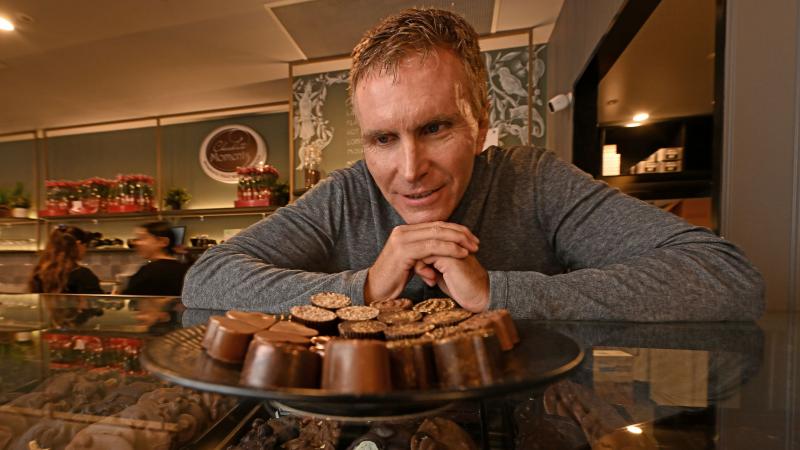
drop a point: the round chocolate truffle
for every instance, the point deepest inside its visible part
(470, 359)
(399, 317)
(330, 300)
(358, 366)
(392, 304)
(319, 319)
(356, 313)
(365, 329)
(412, 363)
(448, 317)
(500, 321)
(271, 364)
(432, 305)
(259, 320)
(284, 326)
(211, 329)
(229, 342)
(407, 330)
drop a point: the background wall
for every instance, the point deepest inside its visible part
(180, 145)
(578, 30)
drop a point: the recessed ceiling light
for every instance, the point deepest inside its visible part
(633, 124)
(641, 117)
(6, 24)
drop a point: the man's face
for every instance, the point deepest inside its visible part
(420, 135)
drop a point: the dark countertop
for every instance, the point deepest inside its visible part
(680, 385)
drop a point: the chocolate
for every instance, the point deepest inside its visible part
(285, 326)
(272, 364)
(438, 333)
(314, 317)
(229, 342)
(441, 433)
(358, 366)
(277, 336)
(211, 329)
(392, 304)
(356, 313)
(366, 329)
(330, 300)
(407, 330)
(448, 317)
(256, 319)
(399, 317)
(432, 305)
(498, 320)
(412, 363)
(471, 359)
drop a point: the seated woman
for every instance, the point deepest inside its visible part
(58, 270)
(163, 274)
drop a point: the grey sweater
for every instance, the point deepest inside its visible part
(556, 243)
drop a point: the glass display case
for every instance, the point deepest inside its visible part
(70, 377)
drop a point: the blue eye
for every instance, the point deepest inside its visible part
(432, 128)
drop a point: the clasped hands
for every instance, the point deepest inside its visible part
(440, 253)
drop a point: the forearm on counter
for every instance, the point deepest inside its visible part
(229, 279)
(670, 284)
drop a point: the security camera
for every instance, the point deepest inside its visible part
(559, 102)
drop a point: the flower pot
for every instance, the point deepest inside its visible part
(21, 213)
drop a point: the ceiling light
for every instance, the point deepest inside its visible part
(634, 429)
(633, 124)
(6, 24)
(641, 117)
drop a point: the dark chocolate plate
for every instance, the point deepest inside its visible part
(540, 356)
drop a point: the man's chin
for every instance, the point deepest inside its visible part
(415, 217)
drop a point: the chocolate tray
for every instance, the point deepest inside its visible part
(178, 357)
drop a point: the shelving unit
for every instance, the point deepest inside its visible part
(164, 215)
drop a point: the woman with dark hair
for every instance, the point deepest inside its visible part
(58, 270)
(163, 273)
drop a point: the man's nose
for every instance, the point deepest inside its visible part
(415, 161)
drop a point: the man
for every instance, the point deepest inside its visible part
(426, 212)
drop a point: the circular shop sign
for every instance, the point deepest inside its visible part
(229, 147)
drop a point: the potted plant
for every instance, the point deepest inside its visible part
(19, 201)
(176, 197)
(4, 211)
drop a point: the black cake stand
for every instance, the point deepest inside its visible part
(540, 356)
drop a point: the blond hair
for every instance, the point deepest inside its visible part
(422, 31)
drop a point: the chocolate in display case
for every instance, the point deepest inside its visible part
(70, 376)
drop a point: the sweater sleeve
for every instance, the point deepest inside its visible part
(625, 260)
(278, 262)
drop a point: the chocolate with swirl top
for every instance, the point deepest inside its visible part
(356, 313)
(448, 317)
(392, 304)
(399, 317)
(432, 305)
